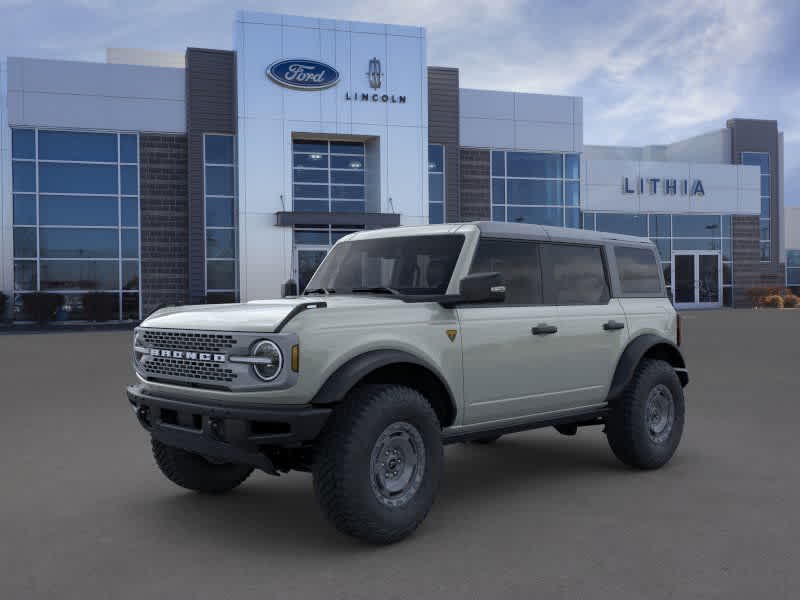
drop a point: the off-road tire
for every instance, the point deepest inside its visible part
(194, 472)
(628, 428)
(344, 479)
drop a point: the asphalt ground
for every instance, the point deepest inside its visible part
(84, 512)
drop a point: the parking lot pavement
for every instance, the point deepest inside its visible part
(85, 514)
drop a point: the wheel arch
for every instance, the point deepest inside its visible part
(390, 366)
(646, 346)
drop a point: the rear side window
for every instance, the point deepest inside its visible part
(518, 265)
(574, 274)
(638, 271)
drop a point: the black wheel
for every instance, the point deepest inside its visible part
(645, 423)
(378, 463)
(194, 472)
(489, 439)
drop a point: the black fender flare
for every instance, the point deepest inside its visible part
(350, 373)
(648, 343)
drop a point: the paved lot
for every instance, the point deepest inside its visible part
(85, 514)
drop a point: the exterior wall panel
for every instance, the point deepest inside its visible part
(164, 220)
(475, 197)
(210, 108)
(443, 128)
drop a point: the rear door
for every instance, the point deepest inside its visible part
(592, 329)
(510, 371)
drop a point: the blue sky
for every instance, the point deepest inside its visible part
(649, 72)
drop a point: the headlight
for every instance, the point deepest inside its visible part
(270, 360)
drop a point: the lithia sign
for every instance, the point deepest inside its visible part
(306, 74)
(667, 186)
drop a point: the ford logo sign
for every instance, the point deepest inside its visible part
(303, 74)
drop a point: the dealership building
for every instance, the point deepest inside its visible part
(217, 175)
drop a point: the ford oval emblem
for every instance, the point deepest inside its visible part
(303, 74)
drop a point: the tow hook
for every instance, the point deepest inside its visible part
(216, 428)
(143, 414)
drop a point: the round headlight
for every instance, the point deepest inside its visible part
(271, 360)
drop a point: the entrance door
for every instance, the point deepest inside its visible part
(308, 259)
(697, 279)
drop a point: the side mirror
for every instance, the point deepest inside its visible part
(482, 287)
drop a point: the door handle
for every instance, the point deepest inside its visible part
(544, 329)
(612, 325)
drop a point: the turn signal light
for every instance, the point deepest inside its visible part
(296, 358)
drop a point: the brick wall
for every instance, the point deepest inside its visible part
(165, 232)
(475, 199)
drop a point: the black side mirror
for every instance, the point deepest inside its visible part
(482, 287)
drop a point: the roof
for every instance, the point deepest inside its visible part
(510, 230)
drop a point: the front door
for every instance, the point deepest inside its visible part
(697, 279)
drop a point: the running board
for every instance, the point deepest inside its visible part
(581, 419)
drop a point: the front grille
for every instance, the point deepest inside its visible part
(194, 342)
(190, 369)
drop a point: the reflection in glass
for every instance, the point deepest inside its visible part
(25, 242)
(220, 243)
(79, 275)
(532, 164)
(77, 210)
(221, 274)
(219, 212)
(24, 209)
(78, 243)
(219, 149)
(219, 181)
(66, 178)
(25, 275)
(78, 146)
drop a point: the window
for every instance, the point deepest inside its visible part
(574, 274)
(536, 187)
(518, 265)
(674, 232)
(638, 271)
(409, 265)
(793, 268)
(76, 217)
(761, 160)
(311, 245)
(219, 156)
(436, 183)
(328, 176)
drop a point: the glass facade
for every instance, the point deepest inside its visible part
(76, 218)
(761, 160)
(673, 233)
(435, 183)
(536, 187)
(328, 176)
(793, 268)
(222, 274)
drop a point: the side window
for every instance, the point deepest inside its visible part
(638, 271)
(518, 265)
(574, 275)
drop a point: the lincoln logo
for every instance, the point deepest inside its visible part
(374, 74)
(301, 74)
(185, 355)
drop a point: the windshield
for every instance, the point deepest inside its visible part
(404, 265)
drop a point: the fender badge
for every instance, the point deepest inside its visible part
(452, 333)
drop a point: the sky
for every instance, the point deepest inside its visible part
(649, 72)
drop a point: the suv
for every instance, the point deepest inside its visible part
(407, 339)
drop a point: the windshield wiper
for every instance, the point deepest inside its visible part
(375, 290)
(321, 290)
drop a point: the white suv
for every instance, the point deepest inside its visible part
(407, 339)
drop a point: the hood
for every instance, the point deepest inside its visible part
(258, 316)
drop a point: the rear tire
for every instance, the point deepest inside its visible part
(378, 463)
(193, 472)
(645, 424)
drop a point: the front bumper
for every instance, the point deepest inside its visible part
(236, 435)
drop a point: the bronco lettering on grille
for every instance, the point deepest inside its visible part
(204, 356)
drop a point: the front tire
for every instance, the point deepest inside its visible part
(193, 472)
(645, 423)
(378, 463)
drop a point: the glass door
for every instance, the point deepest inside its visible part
(308, 259)
(696, 279)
